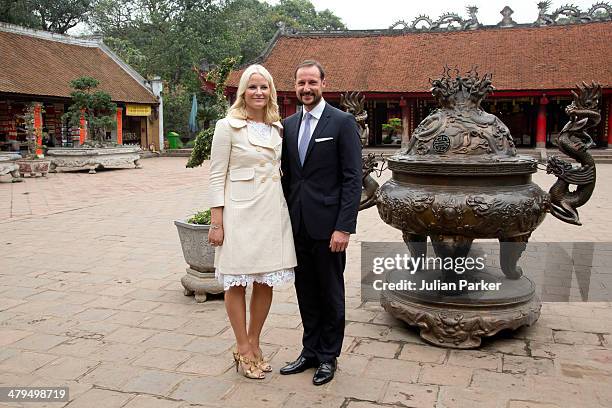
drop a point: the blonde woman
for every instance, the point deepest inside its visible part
(250, 225)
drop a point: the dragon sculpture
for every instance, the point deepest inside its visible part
(354, 104)
(544, 18)
(472, 23)
(574, 142)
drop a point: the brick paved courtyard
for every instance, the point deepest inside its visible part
(90, 298)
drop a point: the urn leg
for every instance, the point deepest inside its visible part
(510, 251)
(92, 169)
(187, 292)
(451, 246)
(137, 164)
(417, 244)
(200, 297)
(52, 168)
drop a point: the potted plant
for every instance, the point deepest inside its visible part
(33, 164)
(390, 131)
(200, 255)
(93, 111)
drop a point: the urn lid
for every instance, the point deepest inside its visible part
(460, 137)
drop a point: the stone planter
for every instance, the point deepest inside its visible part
(94, 158)
(34, 167)
(200, 277)
(8, 165)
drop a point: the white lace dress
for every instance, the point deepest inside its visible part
(281, 277)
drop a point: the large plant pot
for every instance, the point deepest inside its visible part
(34, 168)
(200, 277)
(63, 159)
(8, 165)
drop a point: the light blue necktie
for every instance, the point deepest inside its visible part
(305, 138)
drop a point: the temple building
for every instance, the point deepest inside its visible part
(534, 66)
(37, 66)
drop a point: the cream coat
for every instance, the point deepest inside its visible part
(245, 180)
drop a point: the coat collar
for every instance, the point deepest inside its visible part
(240, 123)
(275, 139)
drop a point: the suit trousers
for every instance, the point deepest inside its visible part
(319, 284)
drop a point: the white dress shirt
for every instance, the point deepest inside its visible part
(316, 113)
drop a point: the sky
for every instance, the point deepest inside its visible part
(377, 14)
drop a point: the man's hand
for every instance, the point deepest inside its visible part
(339, 241)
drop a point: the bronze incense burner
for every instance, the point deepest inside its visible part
(459, 178)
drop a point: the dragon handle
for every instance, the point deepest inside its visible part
(354, 103)
(574, 141)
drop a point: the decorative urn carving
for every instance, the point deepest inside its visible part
(459, 178)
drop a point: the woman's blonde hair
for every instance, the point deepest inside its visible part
(238, 108)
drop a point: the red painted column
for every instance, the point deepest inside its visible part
(609, 122)
(405, 121)
(290, 107)
(82, 129)
(119, 125)
(541, 123)
(38, 128)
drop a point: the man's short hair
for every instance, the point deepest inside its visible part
(310, 63)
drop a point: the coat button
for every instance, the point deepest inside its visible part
(262, 163)
(263, 179)
(275, 178)
(258, 149)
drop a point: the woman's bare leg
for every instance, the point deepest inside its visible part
(261, 299)
(235, 305)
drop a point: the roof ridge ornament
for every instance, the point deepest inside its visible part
(567, 14)
(507, 20)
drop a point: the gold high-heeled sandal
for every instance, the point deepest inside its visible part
(262, 364)
(248, 368)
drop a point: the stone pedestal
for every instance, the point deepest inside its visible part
(34, 168)
(457, 318)
(200, 284)
(8, 165)
(63, 159)
(200, 278)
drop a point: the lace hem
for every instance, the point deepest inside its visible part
(275, 278)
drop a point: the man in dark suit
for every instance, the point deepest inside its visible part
(321, 167)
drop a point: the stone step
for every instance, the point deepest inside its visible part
(177, 153)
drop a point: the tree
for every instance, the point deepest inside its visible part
(18, 12)
(94, 106)
(203, 142)
(57, 16)
(171, 38)
(301, 15)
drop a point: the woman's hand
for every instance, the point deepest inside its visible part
(215, 235)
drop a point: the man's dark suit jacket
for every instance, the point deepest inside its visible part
(326, 190)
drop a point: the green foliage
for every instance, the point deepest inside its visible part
(171, 38)
(200, 218)
(95, 105)
(301, 15)
(393, 125)
(57, 16)
(203, 141)
(177, 105)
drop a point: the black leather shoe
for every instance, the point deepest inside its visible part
(301, 364)
(325, 373)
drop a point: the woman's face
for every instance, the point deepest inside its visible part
(257, 93)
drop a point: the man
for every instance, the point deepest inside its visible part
(321, 167)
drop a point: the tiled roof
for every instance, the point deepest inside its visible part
(521, 58)
(33, 65)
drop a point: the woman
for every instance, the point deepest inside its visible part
(250, 225)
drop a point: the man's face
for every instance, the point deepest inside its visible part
(309, 86)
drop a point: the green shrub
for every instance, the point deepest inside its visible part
(200, 218)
